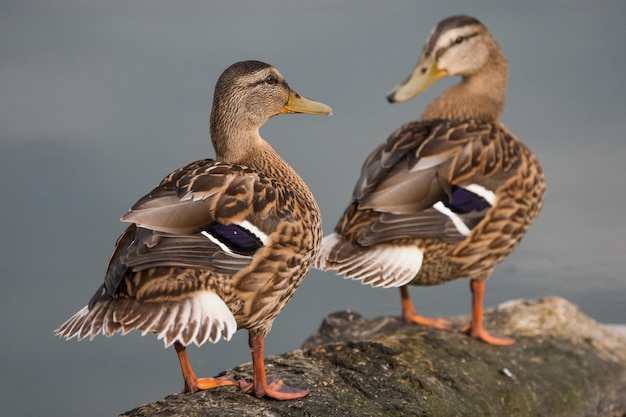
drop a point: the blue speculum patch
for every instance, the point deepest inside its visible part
(464, 201)
(236, 238)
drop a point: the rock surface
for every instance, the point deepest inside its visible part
(563, 364)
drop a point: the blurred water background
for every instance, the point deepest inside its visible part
(100, 100)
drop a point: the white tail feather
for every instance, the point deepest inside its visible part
(378, 266)
(202, 316)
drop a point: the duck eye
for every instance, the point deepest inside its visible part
(458, 40)
(271, 80)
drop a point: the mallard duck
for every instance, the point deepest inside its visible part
(448, 196)
(219, 245)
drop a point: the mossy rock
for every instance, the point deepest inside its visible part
(563, 364)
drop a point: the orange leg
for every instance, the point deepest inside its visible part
(408, 313)
(193, 384)
(475, 328)
(276, 389)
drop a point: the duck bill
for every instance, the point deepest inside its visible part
(425, 73)
(300, 104)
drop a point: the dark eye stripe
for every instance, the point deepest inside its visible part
(451, 22)
(431, 45)
(441, 51)
(275, 81)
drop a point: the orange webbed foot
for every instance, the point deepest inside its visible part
(409, 315)
(194, 384)
(475, 329)
(484, 336)
(276, 389)
(437, 323)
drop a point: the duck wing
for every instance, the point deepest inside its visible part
(209, 215)
(434, 179)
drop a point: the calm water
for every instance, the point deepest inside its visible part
(99, 100)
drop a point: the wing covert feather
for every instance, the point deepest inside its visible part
(419, 165)
(206, 191)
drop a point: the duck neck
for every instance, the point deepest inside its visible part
(234, 147)
(234, 138)
(242, 145)
(477, 96)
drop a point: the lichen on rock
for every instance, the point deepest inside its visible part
(563, 364)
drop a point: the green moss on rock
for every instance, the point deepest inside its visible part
(563, 364)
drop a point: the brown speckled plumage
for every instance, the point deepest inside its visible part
(449, 196)
(218, 245)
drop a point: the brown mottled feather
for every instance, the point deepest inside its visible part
(458, 142)
(166, 276)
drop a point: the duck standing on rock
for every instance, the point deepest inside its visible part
(219, 245)
(448, 196)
